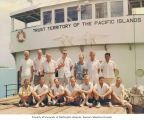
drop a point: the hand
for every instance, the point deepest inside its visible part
(102, 97)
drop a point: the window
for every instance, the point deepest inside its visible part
(135, 4)
(101, 10)
(86, 12)
(116, 8)
(72, 14)
(47, 17)
(59, 15)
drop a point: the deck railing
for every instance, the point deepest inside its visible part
(12, 89)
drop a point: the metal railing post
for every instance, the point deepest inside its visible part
(6, 90)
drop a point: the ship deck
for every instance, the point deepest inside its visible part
(10, 106)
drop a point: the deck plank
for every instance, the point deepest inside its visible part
(8, 106)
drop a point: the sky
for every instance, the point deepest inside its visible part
(6, 7)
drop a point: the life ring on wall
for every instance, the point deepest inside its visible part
(21, 36)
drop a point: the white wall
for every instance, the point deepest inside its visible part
(123, 55)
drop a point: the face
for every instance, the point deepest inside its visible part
(56, 82)
(92, 55)
(42, 81)
(86, 79)
(26, 55)
(81, 58)
(107, 57)
(26, 82)
(39, 54)
(101, 81)
(118, 82)
(64, 55)
(72, 81)
(48, 57)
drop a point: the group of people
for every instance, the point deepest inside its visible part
(63, 83)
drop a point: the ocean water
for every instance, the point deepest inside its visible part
(7, 76)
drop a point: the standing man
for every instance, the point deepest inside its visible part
(80, 69)
(93, 68)
(108, 68)
(118, 95)
(102, 93)
(49, 68)
(40, 93)
(64, 68)
(26, 68)
(38, 69)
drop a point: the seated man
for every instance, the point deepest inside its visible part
(102, 93)
(73, 92)
(40, 93)
(118, 95)
(25, 94)
(58, 93)
(86, 89)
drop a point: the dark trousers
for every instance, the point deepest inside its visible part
(30, 100)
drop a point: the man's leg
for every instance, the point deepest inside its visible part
(40, 101)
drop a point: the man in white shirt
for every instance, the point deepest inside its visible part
(102, 93)
(38, 69)
(86, 89)
(26, 68)
(49, 68)
(108, 68)
(93, 68)
(65, 66)
(118, 95)
(73, 92)
(40, 93)
(25, 94)
(58, 93)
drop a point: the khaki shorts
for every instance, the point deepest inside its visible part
(49, 79)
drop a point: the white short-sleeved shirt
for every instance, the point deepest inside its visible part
(71, 89)
(101, 90)
(57, 90)
(26, 67)
(38, 65)
(118, 90)
(64, 71)
(39, 90)
(86, 87)
(93, 67)
(49, 66)
(108, 69)
(25, 91)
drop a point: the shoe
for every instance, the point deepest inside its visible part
(42, 104)
(36, 106)
(54, 102)
(89, 104)
(26, 105)
(98, 105)
(81, 105)
(21, 105)
(110, 104)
